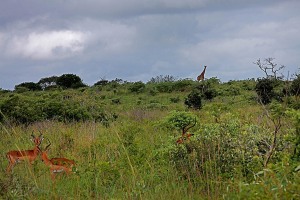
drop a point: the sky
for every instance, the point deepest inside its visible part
(135, 40)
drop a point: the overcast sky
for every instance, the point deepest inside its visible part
(138, 39)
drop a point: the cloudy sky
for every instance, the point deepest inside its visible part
(138, 39)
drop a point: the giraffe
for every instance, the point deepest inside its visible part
(201, 76)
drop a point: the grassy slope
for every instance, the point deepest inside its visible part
(128, 159)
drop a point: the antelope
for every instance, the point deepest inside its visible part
(185, 135)
(201, 76)
(20, 155)
(57, 165)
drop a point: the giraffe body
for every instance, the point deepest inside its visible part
(201, 76)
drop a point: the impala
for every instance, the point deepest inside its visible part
(185, 135)
(57, 165)
(20, 155)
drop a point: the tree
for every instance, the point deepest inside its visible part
(102, 82)
(161, 79)
(70, 81)
(265, 86)
(48, 82)
(269, 67)
(180, 120)
(31, 86)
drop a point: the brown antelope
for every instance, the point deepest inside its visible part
(20, 155)
(57, 165)
(201, 76)
(185, 135)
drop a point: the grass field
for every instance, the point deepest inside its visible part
(135, 155)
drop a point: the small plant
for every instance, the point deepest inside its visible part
(180, 120)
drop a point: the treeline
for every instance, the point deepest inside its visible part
(67, 98)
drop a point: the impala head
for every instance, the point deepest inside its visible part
(44, 151)
(37, 140)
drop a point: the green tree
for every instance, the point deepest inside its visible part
(48, 82)
(180, 120)
(31, 86)
(70, 81)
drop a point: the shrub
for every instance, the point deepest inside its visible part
(137, 87)
(209, 94)
(164, 86)
(295, 87)
(264, 89)
(179, 120)
(182, 85)
(101, 82)
(193, 100)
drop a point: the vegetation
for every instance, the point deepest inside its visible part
(123, 135)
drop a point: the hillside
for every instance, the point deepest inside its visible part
(124, 139)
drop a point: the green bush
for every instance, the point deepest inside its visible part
(137, 87)
(265, 90)
(193, 100)
(295, 87)
(164, 87)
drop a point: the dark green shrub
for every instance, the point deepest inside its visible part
(209, 94)
(295, 87)
(29, 86)
(264, 89)
(101, 82)
(69, 81)
(193, 100)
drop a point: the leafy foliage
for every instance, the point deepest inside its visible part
(30, 86)
(137, 87)
(48, 82)
(265, 90)
(69, 81)
(180, 119)
(295, 87)
(193, 100)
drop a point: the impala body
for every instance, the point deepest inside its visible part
(20, 155)
(57, 165)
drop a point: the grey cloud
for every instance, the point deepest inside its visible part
(139, 39)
